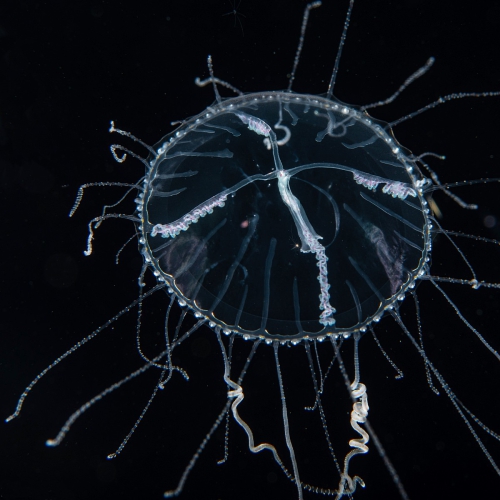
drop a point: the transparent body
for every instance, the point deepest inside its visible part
(231, 189)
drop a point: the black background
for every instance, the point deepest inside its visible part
(66, 70)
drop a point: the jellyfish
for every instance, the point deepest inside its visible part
(291, 220)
